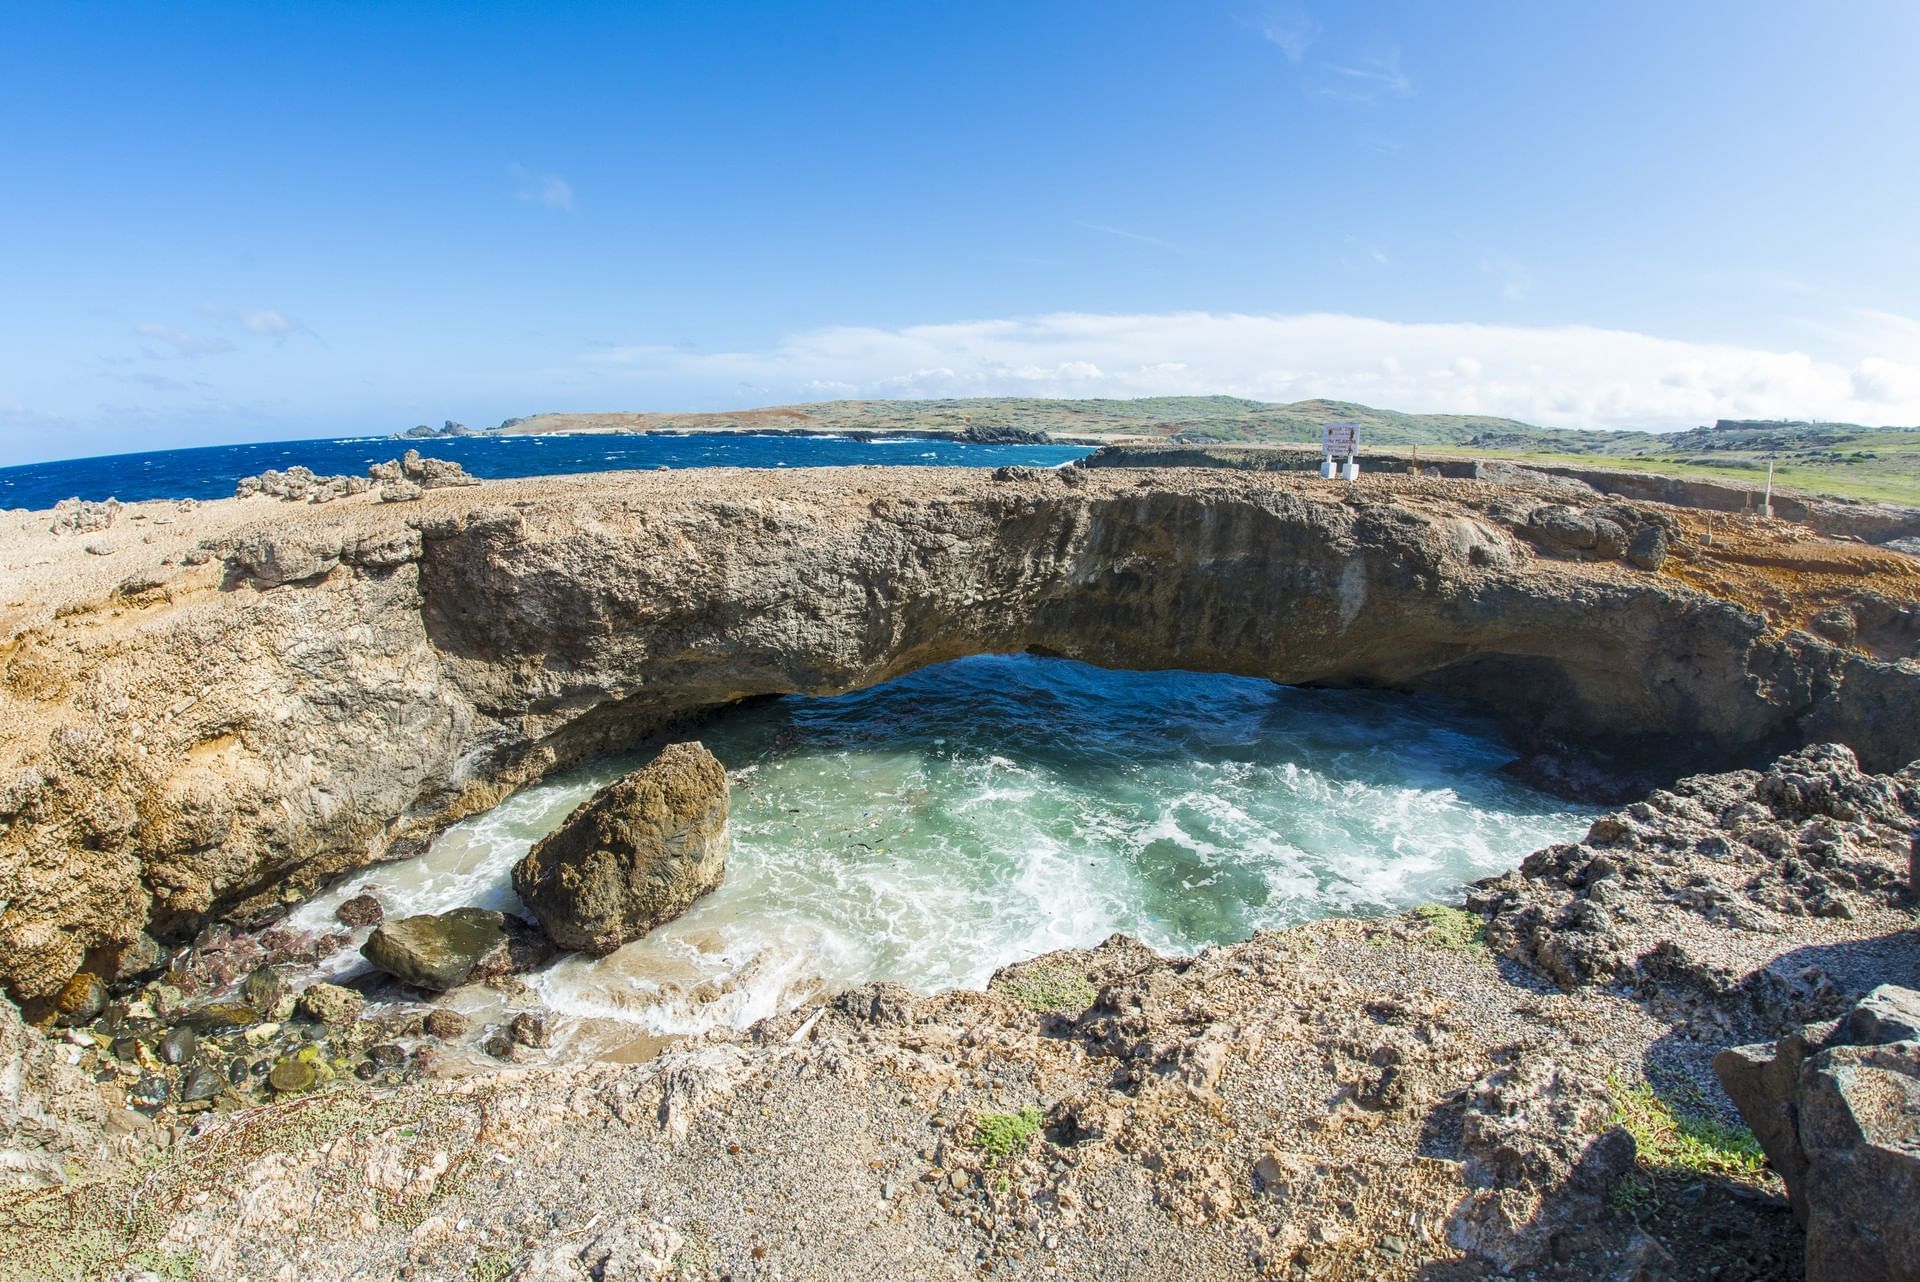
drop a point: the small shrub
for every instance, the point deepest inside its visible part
(1632, 1194)
(1001, 1135)
(1051, 986)
(1454, 929)
(1685, 1139)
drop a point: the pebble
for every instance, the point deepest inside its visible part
(262, 989)
(291, 1075)
(150, 1092)
(177, 1047)
(82, 1000)
(201, 1083)
(224, 1017)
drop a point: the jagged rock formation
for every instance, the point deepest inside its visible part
(232, 734)
(635, 854)
(1540, 1153)
(1813, 837)
(1838, 1113)
(400, 480)
(78, 516)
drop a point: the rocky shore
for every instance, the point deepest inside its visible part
(215, 709)
(1449, 1094)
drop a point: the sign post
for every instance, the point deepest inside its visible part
(1337, 439)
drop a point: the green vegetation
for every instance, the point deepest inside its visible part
(1001, 1135)
(1050, 986)
(1844, 459)
(1684, 1138)
(1454, 929)
(491, 1265)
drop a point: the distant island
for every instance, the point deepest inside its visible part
(1848, 460)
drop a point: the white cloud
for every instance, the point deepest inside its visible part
(1108, 229)
(1879, 381)
(1291, 30)
(264, 322)
(1371, 79)
(270, 323)
(182, 344)
(1568, 376)
(550, 190)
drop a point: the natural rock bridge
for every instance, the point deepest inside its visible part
(261, 698)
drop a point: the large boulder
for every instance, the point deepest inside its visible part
(636, 854)
(439, 951)
(1839, 1118)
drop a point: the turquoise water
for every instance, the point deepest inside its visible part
(937, 827)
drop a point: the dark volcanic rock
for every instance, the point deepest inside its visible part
(199, 1083)
(638, 853)
(984, 434)
(178, 1046)
(1649, 547)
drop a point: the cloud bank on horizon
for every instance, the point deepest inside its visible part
(1557, 376)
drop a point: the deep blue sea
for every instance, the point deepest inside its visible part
(211, 471)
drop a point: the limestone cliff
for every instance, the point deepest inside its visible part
(213, 712)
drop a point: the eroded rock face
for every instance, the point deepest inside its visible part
(1540, 1154)
(353, 676)
(636, 854)
(1839, 1117)
(50, 1114)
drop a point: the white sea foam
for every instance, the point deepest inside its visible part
(934, 829)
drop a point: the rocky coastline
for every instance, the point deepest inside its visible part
(212, 713)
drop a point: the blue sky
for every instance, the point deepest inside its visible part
(227, 222)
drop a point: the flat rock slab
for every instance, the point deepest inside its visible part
(439, 951)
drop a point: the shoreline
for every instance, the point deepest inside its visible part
(1260, 1106)
(215, 708)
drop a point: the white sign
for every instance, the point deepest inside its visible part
(1339, 438)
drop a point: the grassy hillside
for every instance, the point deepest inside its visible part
(1829, 458)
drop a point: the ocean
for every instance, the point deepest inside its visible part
(211, 471)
